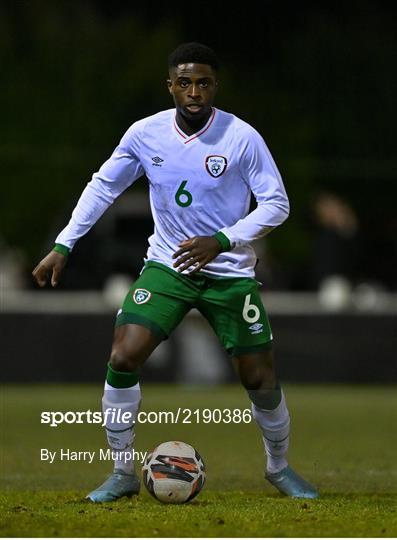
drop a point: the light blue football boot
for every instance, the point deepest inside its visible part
(119, 484)
(290, 483)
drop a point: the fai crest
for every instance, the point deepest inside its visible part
(141, 296)
(216, 165)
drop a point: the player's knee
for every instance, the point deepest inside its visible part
(122, 360)
(251, 381)
(257, 378)
(257, 371)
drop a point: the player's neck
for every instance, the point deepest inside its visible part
(189, 127)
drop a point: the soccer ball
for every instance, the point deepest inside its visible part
(174, 472)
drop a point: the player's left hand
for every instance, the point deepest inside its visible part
(196, 252)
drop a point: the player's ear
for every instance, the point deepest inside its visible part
(216, 85)
(169, 85)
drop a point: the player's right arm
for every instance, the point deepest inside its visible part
(52, 264)
(115, 176)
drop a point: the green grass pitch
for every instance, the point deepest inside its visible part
(344, 440)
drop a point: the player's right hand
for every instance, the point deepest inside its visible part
(52, 264)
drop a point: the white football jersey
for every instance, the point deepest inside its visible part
(199, 185)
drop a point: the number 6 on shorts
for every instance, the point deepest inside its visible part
(250, 308)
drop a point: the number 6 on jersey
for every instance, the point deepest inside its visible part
(187, 196)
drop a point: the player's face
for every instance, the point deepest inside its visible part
(193, 87)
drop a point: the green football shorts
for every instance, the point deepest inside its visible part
(161, 297)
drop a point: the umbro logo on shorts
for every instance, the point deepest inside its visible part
(141, 296)
(256, 328)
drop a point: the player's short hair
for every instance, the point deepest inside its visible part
(193, 53)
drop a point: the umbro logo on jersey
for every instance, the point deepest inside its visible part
(216, 165)
(157, 161)
(141, 296)
(256, 328)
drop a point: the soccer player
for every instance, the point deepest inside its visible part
(202, 165)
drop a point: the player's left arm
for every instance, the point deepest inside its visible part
(259, 170)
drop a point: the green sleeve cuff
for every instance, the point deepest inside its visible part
(63, 250)
(223, 240)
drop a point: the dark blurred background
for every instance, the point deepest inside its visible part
(317, 81)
